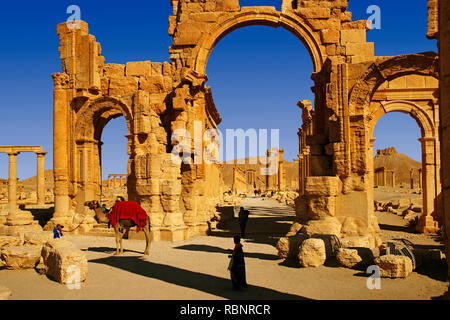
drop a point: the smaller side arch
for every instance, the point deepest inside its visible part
(408, 107)
(95, 114)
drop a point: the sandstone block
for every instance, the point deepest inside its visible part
(360, 49)
(314, 13)
(37, 239)
(353, 227)
(227, 5)
(348, 258)
(312, 253)
(327, 226)
(5, 293)
(152, 84)
(358, 242)
(114, 70)
(17, 258)
(353, 36)
(119, 86)
(138, 69)
(392, 266)
(10, 241)
(64, 261)
(295, 228)
(321, 207)
(322, 186)
(329, 36)
(288, 247)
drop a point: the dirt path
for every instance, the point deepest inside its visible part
(196, 270)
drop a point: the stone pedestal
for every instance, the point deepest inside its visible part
(172, 234)
(427, 225)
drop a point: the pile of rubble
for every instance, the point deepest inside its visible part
(284, 197)
(59, 259)
(409, 209)
(313, 249)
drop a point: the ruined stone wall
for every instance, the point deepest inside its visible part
(240, 185)
(155, 99)
(444, 53)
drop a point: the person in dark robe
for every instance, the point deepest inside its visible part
(237, 265)
(243, 218)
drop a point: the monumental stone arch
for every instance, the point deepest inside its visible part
(261, 16)
(90, 120)
(161, 99)
(408, 84)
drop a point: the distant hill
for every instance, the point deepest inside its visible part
(399, 162)
(30, 183)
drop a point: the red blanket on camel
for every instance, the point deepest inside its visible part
(128, 210)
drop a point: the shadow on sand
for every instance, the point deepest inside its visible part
(208, 248)
(220, 287)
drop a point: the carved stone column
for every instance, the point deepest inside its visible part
(60, 152)
(18, 221)
(427, 223)
(12, 184)
(40, 183)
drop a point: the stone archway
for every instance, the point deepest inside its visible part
(259, 16)
(90, 120)
(161, 98)
(406, 84)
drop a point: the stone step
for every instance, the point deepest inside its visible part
(99, 231)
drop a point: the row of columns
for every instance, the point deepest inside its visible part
(117, 180)
(12, 180)
(419, 177)
(276, 181)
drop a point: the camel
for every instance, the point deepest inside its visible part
(122, 226)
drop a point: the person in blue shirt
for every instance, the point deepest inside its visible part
(58, 232)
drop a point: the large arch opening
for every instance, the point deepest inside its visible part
(91, 181)
(397, 167)
(113, 160)
(270, 18)
(410, 99)
(257, 75)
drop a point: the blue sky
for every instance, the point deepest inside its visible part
(257, 74)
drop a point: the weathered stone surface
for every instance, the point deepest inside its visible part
(322, 186)
(5, 293)
(353, 227)
(17, 258)
(358, 242)
(138, 68)
(37, 239)
(348, 257)
(63, 260)
(329, 226)
(339, 153)
(288, 247)
(10, 241)
(295, 228)
(312, 253)
(392, 266)
(114, 70)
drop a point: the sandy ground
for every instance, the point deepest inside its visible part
(196, 269)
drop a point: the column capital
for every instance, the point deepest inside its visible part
(41, 153)
(14, 153)
(428, 139)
